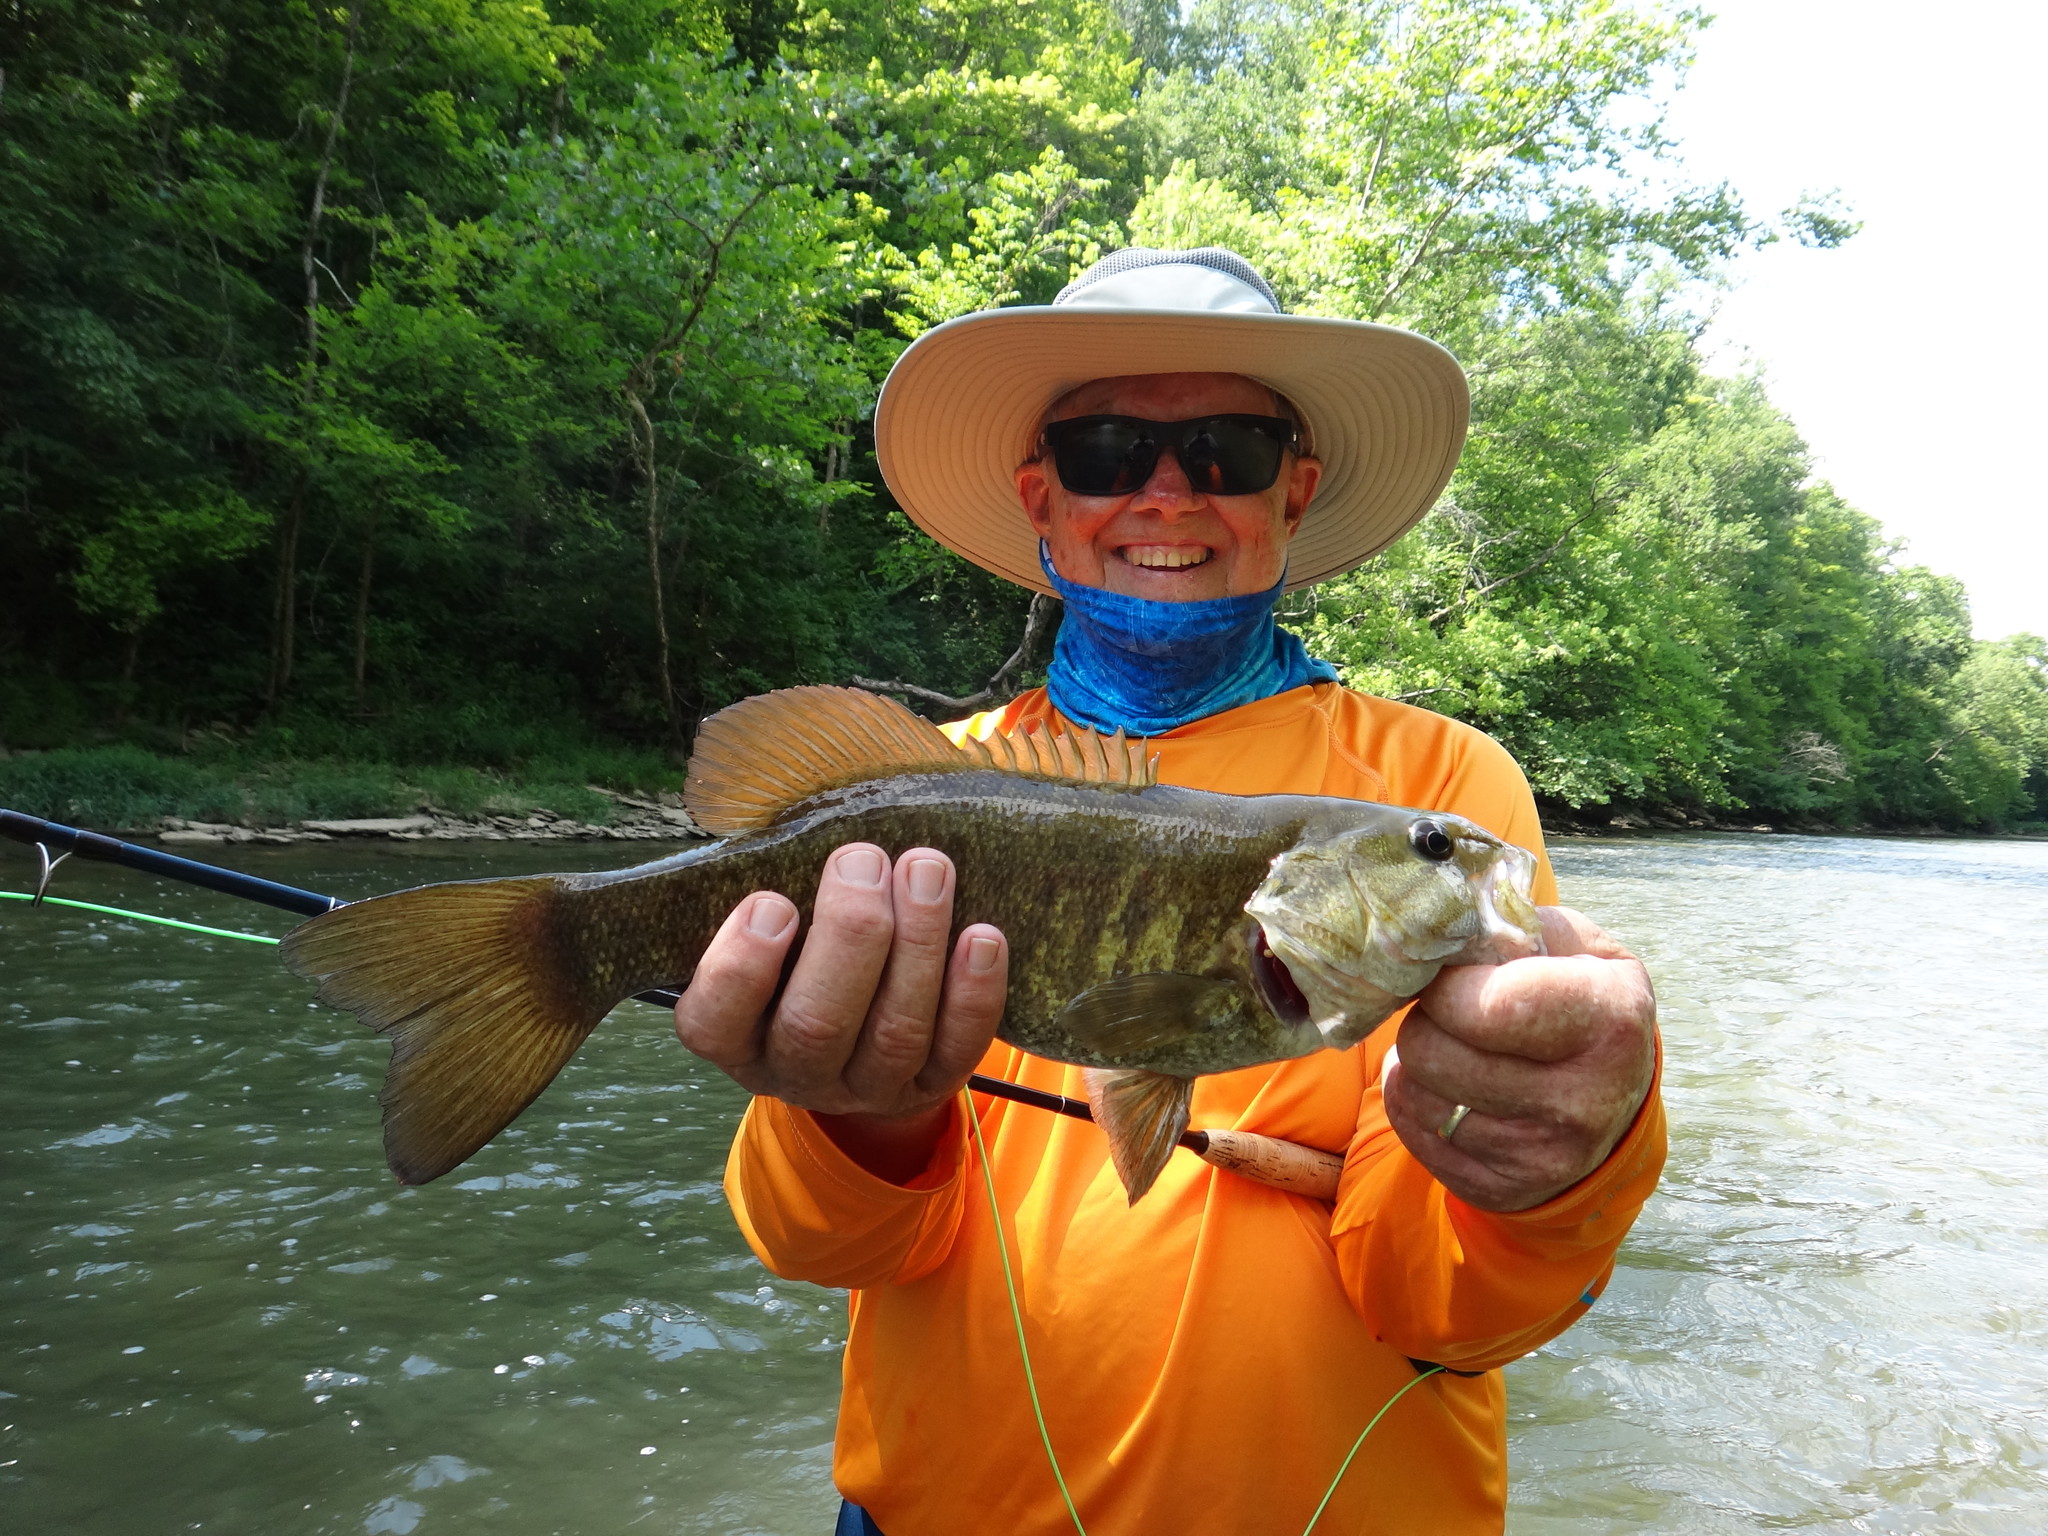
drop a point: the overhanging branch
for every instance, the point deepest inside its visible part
(1036, 621)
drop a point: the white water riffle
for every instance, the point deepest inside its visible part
(222, 1313)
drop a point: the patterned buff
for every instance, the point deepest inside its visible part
(1146, 666)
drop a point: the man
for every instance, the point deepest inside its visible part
(1202, 1360)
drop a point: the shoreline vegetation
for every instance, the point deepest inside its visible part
(449, 407)
(226, 797)
(126, 791)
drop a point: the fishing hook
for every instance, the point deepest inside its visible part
(49, 868)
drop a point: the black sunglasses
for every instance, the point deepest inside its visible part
(1220, 455)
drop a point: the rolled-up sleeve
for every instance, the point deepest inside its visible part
(1443, 1281)
(810, 1212)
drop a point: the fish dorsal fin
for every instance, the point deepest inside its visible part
(757, 758)
(1066, 753)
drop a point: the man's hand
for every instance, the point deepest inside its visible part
(880, 1023)
(1553, 1055)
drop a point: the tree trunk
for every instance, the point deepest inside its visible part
(650, 474)
(362, 622)
(125, 694)
(284, 612)
(284, 615)
(837, 457)
(309, 263)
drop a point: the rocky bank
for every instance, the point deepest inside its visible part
(633, 820)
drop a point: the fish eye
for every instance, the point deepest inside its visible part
(1429, 839)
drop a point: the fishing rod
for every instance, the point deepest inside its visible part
(1282, 1164)
(46, 835)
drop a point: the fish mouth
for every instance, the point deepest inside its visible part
(1275, 984)
(1165, 557)
(1508, 925)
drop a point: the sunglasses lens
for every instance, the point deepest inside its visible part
(1227, 456)
(1220, 455)
(1104, 457)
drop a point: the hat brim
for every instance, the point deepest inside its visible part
(1386, 410)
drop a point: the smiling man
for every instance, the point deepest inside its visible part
(1159, 525)
(1168, 452)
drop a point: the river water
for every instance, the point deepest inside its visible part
(221, 1315)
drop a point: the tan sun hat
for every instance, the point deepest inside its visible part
(1384, 409)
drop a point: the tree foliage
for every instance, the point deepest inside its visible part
(428, 373)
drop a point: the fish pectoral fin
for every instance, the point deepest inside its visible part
(1129, 1014)
(1144, 1115)
(460, 976)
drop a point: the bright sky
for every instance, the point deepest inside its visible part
(1914, 358)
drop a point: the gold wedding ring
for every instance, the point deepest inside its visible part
(1450, 1127)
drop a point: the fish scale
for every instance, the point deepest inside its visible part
(1082, 889)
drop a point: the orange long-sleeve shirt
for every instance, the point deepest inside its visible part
(1206, 1357)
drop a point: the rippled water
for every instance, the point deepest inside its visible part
(222, 1315)
(1834, 1317)
(221, 1309)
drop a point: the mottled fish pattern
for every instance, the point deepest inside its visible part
(1156, 933)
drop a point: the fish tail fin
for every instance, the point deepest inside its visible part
(1144, 1114)
(471, 984)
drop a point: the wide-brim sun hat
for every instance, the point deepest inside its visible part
(1383, 408)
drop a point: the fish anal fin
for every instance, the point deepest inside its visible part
(1127, 1015)
(467, 981)
(1143, 1114)
(757, 758)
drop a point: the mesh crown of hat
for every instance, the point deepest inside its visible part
(1215, 257)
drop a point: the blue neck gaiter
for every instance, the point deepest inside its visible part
(1144, 667)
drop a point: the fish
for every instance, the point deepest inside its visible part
(1156, 933)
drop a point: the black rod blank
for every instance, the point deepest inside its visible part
(151, 861)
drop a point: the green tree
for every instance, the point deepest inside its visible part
(421, 379)
(687, 259)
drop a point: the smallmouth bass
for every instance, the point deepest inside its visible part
(1156, 933)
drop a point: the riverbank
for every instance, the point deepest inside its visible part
(234, 796)
(631, 820)
(1596, 821)
(227, 797)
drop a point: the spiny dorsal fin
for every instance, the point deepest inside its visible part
(762, 755)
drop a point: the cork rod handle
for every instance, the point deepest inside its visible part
(1285, 1165)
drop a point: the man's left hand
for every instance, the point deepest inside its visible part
(1553, 1056)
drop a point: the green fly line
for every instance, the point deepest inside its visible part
(1031, 1382)
(1331, 1492)
(995, 1215)
(141, 917)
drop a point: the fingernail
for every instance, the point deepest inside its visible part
(927, 880)
(860, 866)
(982, 955)
(770, 917)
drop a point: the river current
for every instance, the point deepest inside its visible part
(222, 1315)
